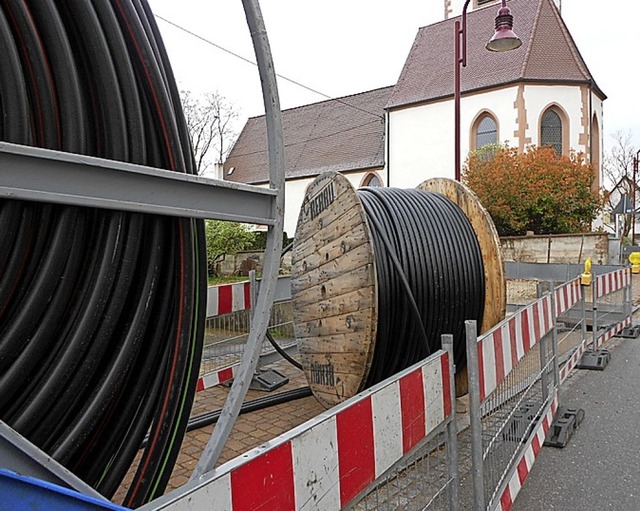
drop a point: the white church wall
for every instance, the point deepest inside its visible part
(421, 138)
(569, 98)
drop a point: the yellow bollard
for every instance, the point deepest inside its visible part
(585, 278)
(634, 259)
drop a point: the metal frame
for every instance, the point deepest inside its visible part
(35, 174)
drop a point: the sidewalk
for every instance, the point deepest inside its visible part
(600, 467)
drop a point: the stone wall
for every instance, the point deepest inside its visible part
(557, 248)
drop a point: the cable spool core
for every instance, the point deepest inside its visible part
(352, 315)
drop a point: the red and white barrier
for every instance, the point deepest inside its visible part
(228, 298)
(525, 463)
(616, 329)
(216, 377)
(567, 295)
(566, 369)
(326, 462)
(500, 349)
(611, 282)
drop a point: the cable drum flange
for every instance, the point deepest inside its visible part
(334, 290)
(379, 274)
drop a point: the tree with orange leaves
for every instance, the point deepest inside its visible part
(536, 190)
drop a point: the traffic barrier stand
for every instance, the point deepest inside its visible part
(564, 425)
(611, 314)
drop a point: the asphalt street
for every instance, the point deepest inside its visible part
(600, 467)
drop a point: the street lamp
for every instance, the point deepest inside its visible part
(633, 194)
(504, 39)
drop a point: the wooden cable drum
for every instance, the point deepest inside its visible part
(346, 294)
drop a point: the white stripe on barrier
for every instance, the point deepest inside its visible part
(387, 420)
(335, 456)
(525, 462)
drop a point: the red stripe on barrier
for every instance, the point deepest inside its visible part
(505, 500)
(535, 445)
(523, 471)
(225, 375)
(536, 323)
(200, 384)
(412, 410)
(483, 392)
(446, 389)
(265, 483)
(497, 348)
(514, 343)
(526, 333)
(356, 453)
(225, 300)
(247, 295)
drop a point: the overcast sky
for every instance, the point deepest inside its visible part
(343, 47)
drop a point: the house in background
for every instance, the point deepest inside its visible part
(344, 134)
(540, 94)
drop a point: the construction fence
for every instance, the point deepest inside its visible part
(395, 445)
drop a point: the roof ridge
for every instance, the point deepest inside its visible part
(525, 61)
(573, 47)
(328, 100)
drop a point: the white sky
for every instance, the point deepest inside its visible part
(342, 47)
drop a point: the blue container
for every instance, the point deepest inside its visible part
(19, 492)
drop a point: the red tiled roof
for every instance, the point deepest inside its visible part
(548, 53)
(338, 134)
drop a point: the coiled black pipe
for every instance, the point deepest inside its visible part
(430, 276)
(101, 313)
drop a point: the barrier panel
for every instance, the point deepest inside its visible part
(515, 373)
(512, 382)
(227, 329)
(346, 456)
(611, 297)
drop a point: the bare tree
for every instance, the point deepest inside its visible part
(618, 173)
(211, 122)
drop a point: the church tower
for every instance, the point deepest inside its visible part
(453, 8)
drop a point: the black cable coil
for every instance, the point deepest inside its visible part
(101, 312)
(429, 273)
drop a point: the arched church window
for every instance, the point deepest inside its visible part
(551, 130)
(486, 131)
(371, 179)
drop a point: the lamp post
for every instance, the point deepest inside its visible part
(504, 39)
(633, 200)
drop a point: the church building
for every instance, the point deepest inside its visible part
(539, 94)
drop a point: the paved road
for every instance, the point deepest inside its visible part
(600, 467)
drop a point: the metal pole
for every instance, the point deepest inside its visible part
(261, 314)
(554, 341)
(594, 324)
(543, 354)
(460, 51)
(452, 430)
(475, 416)
(583, 305)
(633, 206)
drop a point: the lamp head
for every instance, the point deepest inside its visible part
(504, 38)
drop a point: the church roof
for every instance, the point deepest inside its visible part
(548, 54)
(341, 134)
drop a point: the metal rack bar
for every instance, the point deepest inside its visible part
(35, 174)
